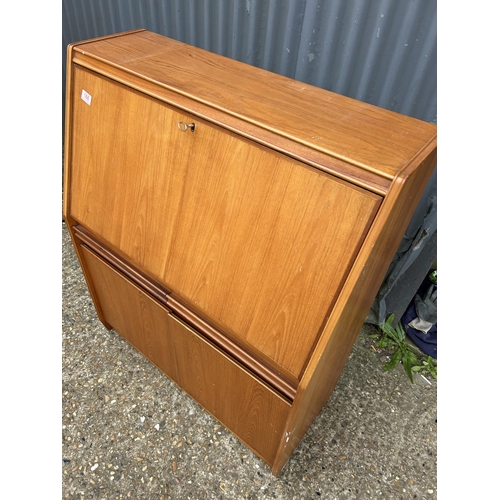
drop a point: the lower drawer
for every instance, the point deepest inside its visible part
(240, 401)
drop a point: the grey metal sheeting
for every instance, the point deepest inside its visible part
(378, 51)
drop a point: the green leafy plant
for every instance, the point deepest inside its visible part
(428, 366)
(394, 339)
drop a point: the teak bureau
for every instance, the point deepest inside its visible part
(232, 224)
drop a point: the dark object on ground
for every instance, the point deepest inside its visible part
(420, 318)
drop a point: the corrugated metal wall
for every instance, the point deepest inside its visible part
(379, 51)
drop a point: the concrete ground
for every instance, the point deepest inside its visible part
(129, 432)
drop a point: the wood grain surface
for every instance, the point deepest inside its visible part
(248, 357)
(243, 256)
(345, 322)
(334, 124)
(245, 235)
(246, 406)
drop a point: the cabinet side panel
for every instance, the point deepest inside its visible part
(346, 320)
(246, 406)
(259, 243)
(67, 132)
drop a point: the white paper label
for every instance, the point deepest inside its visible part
(86, 97)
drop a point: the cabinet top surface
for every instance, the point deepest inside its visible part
(372, 138)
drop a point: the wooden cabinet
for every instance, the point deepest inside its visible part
(232, 224)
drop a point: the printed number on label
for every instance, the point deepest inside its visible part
(86, 97)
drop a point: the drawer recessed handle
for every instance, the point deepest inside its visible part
(186, 126)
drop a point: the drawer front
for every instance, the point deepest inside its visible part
(258, 242)
(246, 406)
